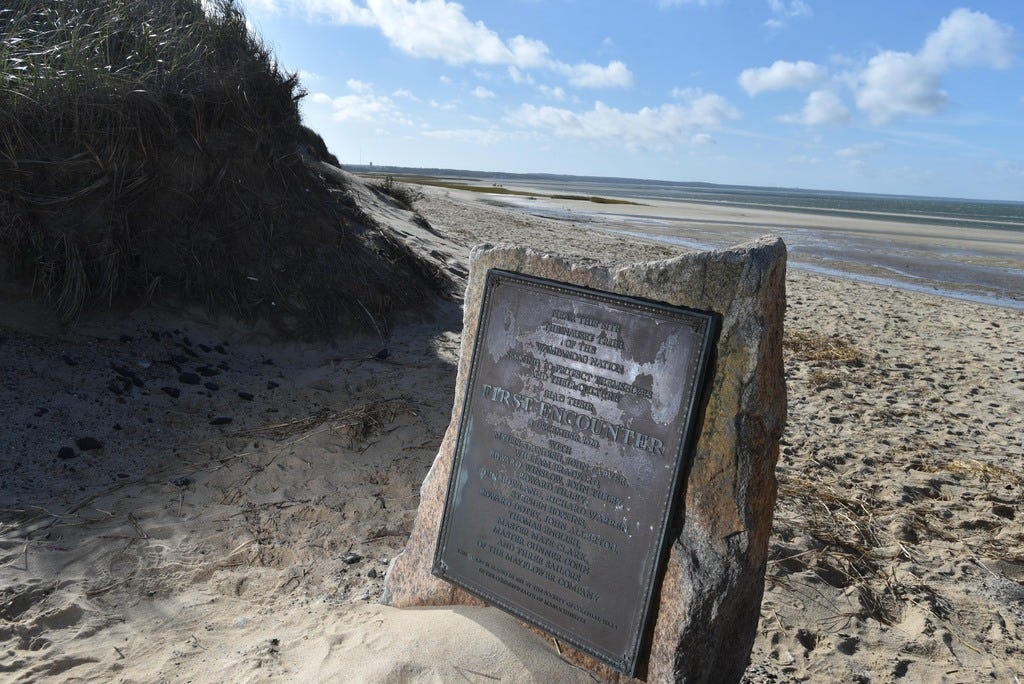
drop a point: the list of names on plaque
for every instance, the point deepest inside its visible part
(569, 455)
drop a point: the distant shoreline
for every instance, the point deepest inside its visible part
(982, 264)
(1017, 206)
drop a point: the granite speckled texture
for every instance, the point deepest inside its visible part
(706, 610)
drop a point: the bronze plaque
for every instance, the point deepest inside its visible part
(570, 454)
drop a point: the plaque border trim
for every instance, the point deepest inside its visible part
(630, 660)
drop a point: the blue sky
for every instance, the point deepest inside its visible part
(903, 97)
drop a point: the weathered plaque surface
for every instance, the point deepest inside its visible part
(569, 458)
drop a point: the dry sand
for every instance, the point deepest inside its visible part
(255, 549)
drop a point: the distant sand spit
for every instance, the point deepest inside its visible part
(982, 263)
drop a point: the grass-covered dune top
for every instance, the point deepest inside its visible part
(154, 150)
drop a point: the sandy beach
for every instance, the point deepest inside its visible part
(190, 500)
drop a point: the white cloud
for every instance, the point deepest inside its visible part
(438, 29)
(368, 108)
(966, 39)
(447, 80)
(337, 11)
(899, 84)
(556, 93)
(615, 75)
(703, 139)
(405, 93)
(793, 8)
(477, 136)
(482, 93)
(363, 105)
(357, 86)
(782, 75)
(857, 151)
(659, 127)
(783, 11)
(269, 6)
(822, 107)
(518, 77)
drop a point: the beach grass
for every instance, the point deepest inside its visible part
(156, 150)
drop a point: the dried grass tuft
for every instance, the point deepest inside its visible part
(357, 423)
(403, 195)
(983, 471)
(804, 345)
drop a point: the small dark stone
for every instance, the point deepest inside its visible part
(220, 349)
(207, 372)
(127, 338)
(41, 411)
(172, 391)
(155, 335)
(349, 558)
(272, 385)
(182, 482)
(275, 642)
(178, 358)
(268, 362)
(127, 375)
(188, 379)
(223, 366)
(66, 452)
(245, 395)
(185, 349)
(188, 342)
(68, 360)
(123, 476)
(121, 370)
(205, 348)
(212, 386)
(117, 426)
(88, 443)
(221, 420)
(1003, 511)
(382, 354)
(119, 386)
(372, 574)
